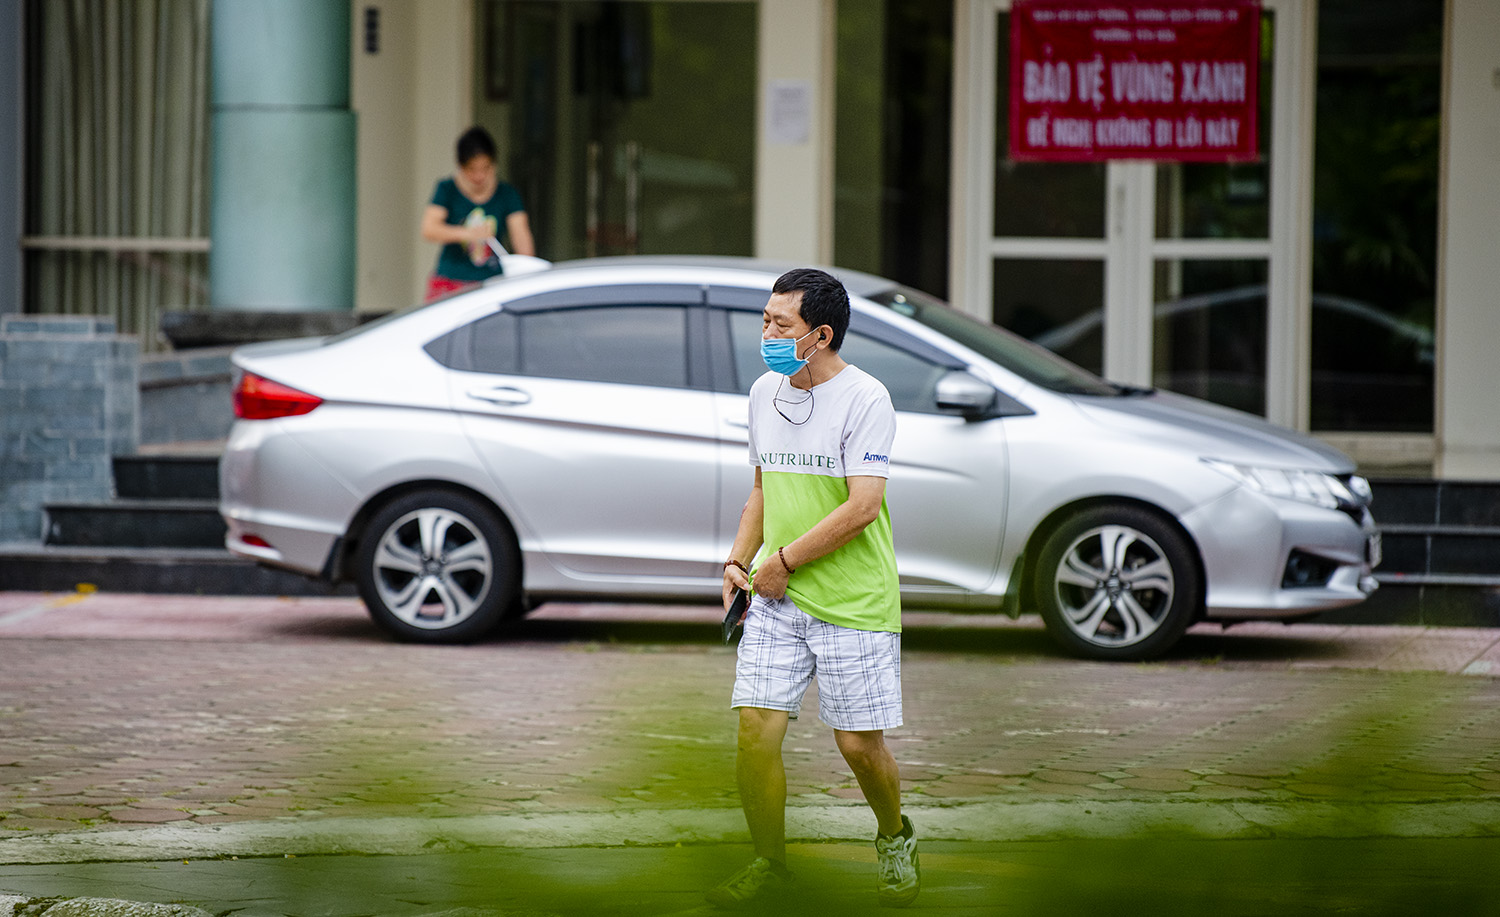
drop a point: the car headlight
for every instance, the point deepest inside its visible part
(1315, 487)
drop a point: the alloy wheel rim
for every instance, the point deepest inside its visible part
(1114, 586)
(433, 568)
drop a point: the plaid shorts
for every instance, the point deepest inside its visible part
(783, 647)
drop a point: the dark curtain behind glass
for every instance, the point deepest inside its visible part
(893, 135)
(1375, 214)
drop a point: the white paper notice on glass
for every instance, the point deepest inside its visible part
(789, 111)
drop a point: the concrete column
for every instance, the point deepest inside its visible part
(390, 205)
(413, 98)
(11, 179)
(282, 216)
(794, 145)
(1468, 320)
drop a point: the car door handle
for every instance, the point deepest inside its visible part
(502, 394)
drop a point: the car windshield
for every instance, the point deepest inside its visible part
(1032, 362)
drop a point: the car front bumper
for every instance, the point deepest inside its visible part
(1266, 557)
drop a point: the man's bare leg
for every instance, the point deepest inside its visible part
(879, 778)
(762, 779)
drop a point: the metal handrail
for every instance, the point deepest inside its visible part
(115, 243)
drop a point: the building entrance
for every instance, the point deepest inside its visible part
(1174, 275)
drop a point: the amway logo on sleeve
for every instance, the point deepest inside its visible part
(873, 459)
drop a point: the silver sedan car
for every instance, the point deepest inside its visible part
(580, 432)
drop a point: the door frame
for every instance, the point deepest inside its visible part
(1129, 246)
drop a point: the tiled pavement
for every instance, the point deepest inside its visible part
(125, 710)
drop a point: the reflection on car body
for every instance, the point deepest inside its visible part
(580, 432)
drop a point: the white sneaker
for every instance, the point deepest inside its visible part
(900, 876)
(755, 881)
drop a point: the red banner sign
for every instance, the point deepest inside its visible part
(1134, 79)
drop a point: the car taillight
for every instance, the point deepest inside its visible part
(258, 398)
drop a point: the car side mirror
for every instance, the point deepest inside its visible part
(972, 398)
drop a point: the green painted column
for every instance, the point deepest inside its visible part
(282, 217)
(12, 179)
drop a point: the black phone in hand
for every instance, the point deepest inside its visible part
(736, 613)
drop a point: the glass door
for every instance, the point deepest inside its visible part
(1210, 254)
(1050, 244)
(1174, 275)
(632, 127)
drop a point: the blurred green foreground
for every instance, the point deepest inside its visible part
(1450, 876)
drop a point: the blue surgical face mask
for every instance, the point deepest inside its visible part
(780, 354)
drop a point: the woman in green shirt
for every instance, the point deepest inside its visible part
(465, 214)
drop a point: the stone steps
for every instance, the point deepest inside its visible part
(159, 502)
(167, 477)
(135, 523)
(162, 533)
(1438, 532)
(165, 571)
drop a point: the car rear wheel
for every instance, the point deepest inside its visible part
(438, 567)
(1117, 582)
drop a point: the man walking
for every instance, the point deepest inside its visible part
(815, 540)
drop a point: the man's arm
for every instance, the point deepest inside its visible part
(838, 528)
(746, 542)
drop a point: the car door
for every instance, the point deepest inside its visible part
(947, 490)
(597, 427)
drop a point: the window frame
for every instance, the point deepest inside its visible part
(455, 349)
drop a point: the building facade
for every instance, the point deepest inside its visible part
(1343, 283)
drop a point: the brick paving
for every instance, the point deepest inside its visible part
(169, 710)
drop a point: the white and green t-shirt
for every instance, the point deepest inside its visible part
(847, 432)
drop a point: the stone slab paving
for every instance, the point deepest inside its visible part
(173, 711)
(134, 728)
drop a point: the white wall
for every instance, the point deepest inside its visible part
(1468, 383)
(794, 180)
(412, 100)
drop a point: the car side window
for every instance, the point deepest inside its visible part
(495, 345)
(911, 379)
(627, 344)
(744, 341)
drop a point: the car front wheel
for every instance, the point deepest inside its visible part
(1117, 582)
(437, 567)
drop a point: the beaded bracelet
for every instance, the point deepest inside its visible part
(789, 568)
(731, 562)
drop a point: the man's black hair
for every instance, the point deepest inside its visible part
(476, 141)
(824, 300)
